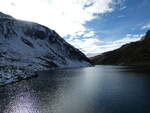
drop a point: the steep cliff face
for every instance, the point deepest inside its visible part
(135, 53)
(26, 47)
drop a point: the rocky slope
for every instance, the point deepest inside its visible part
(135, 53)
(26, 47)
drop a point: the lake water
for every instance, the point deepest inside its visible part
(100, 89)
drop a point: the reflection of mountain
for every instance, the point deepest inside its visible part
(33, 47)
(135, 53)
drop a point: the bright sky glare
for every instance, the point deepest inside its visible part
(93, 26)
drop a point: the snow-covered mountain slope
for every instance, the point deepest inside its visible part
(26, 47)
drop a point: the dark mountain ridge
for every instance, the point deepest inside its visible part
(135, 53)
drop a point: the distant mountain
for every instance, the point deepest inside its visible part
(26, 47)
(135, 53)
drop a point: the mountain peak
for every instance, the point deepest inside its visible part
(3, 15)
(148, 33)
(147, 36)
(27, 47)
(135, 53)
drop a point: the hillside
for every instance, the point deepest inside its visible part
(27, 47)
(135, 53)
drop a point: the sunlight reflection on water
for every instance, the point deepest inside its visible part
(101, 89)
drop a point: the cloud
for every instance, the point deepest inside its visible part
(94, 46)
(147, 26)
(86, 45)
(124, 7)
(67, 17)
(89, 34)
(121, 16)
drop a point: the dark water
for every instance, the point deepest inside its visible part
(101, 89)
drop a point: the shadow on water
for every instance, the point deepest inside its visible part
(100, 89)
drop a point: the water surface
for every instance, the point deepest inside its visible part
(100, 89)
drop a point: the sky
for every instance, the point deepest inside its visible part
(93, 26)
